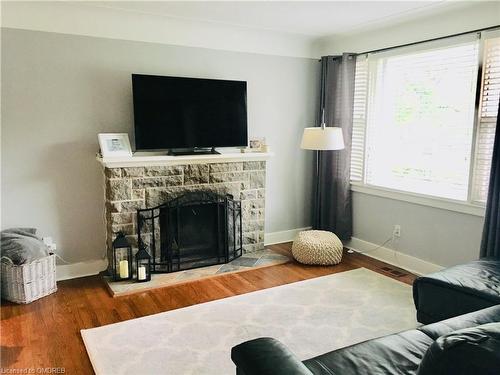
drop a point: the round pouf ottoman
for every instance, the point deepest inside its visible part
(317, 247)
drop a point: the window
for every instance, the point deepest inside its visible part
(414, 127)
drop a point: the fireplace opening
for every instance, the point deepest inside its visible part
(192, 233)
(197, 229)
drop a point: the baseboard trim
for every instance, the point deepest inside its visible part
(81, 269)
(396, 258)
(385, 254)
(282, 236)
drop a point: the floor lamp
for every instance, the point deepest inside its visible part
(321, 138)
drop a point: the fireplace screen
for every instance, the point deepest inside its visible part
(197, 229)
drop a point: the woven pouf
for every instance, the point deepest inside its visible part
(317, 247)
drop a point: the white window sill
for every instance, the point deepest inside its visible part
(424, 200)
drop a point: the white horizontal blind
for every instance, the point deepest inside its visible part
(420, 120)
(359, 118)
(488, 110)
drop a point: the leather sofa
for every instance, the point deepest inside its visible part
(467, 344)
(457, 290)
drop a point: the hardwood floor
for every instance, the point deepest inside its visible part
(46, 333)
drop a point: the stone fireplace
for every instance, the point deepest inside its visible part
(143, 182)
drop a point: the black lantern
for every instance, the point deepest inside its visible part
(142, 264)
(122, 258)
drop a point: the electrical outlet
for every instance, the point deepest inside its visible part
(396, 232)
(47, 241)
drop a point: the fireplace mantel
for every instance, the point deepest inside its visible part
(145, 159)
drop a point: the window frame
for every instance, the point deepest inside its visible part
(470, 206)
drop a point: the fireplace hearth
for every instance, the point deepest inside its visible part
(196, 229)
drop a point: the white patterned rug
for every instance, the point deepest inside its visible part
(311, 317)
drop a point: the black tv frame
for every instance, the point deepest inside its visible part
(205, 149)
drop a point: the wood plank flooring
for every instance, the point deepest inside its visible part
(46, 333)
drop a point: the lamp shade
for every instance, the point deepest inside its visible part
(322, 138)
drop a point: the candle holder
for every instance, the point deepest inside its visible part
(142, 264)
(122, 258)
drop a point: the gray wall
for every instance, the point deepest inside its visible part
(59, 91)
(438, 236)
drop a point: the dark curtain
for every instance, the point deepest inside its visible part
(332, 209)
(490, 244)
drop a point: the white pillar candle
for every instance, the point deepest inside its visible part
(123, 269)
(141, 273)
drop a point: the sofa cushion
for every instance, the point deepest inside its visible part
(473, 319)
(473, 350)
(457, 290)
(395, 354)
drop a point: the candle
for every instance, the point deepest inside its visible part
(141, 273)
(123, 269)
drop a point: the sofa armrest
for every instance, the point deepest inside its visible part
(266, 356)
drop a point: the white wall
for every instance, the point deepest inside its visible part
(60, 90)
(435, 235)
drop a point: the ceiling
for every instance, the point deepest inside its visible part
(313, 18)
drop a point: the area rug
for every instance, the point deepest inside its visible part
(310, 317)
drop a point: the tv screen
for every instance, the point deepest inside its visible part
(188, 113)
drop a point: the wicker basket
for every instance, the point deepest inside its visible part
(28, 282)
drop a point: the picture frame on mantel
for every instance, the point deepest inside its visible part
(114, 145)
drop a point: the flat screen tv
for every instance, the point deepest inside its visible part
(188, 113)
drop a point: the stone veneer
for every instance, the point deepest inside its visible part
(132, 188)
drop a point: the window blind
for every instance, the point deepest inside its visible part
(420, 120)
(359, 118)
(488, 110)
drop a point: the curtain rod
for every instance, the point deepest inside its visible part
(429, 40)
